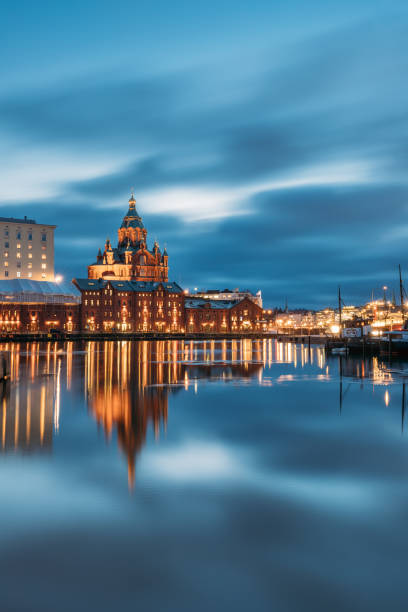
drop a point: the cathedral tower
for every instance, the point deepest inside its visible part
(131, 259)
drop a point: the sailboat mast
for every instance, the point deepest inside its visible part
(339, 308)
(401, 293)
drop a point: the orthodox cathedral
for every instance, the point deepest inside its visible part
(131, 260)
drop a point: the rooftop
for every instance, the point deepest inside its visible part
(214, 304)
(22, 289)
(123, 285)
(25, 220)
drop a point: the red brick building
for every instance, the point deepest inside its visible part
(37, 306)
(39, 317)
(222, 316)
(131, 306)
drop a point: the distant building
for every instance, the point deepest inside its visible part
(27, 249)
(130, 259)
(230, 294)
(223, 315)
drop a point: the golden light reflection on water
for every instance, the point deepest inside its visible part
(127, 385)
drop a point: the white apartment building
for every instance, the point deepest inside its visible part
(27, 249)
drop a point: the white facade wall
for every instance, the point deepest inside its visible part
(27, 249)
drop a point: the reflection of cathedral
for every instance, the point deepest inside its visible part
(128, 383)
(127, 389)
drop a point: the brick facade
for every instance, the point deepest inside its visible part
(38, 317)
(223, 316)
(131, 306)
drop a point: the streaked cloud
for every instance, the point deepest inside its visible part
(268, 158)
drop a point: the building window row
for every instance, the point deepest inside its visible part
(29, 235)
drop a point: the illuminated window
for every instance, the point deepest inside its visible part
(5, 264)
(43, 256)
(6, 254)
(30, 265)
(30, 256)
(30, 274)
(18, 274)
(43, 275)
(43, 266)
(18, 245)
(18, 255)
(30, 246)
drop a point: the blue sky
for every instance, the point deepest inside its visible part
(266, 141)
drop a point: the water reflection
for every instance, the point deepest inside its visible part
(127, 385)
(259, 492)
(30, 400)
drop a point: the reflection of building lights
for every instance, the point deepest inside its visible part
(386, 398)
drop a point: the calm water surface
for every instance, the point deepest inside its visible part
(193, 476)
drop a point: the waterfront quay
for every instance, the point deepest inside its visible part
(119, 335)
(358, 346)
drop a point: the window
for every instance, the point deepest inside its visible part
(43, 237)
(6, 264)
(43, 275)
(19, 264)
(30, 256)
(5, 272)
(43, 256)
(43, 266)
(30, 265)
(18, 255)
(30, 246)
(5, 254)
(6, 245)
(18, 245)
(18, 274)
(30, 236)
(30, 274)
(6, 233)
(19, 235)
